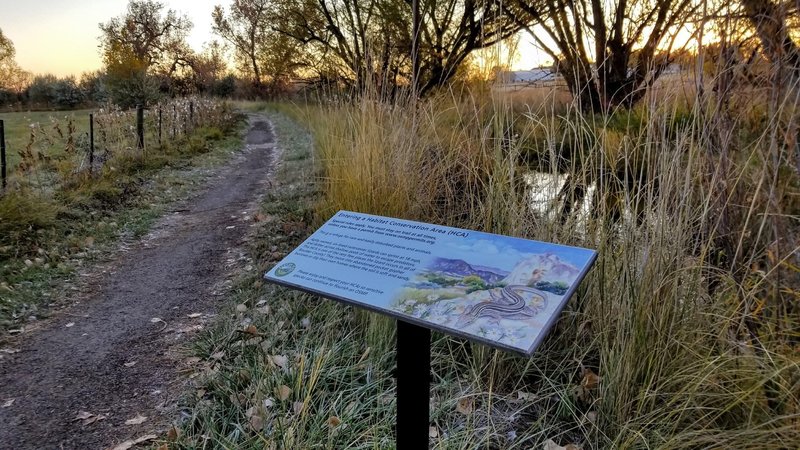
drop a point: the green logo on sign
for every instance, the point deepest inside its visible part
(284, 269)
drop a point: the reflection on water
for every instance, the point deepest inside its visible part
(543, 192)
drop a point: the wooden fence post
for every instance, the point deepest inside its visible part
(140, 127)
(91, 143)
(3, 167)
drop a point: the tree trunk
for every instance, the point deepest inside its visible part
(770, 24)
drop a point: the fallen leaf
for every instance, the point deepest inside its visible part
(590, 379)
(136, 420)
(130, 443)
(241, 307)
(551, 445)
(83, 415)
(218, 355)
(173, 434)
(89, 241)
(298, 407)
(88, 418)
(163, 447)
(526, 396)
(433, 432)
(130, 364)
(268, 402)
(591, 416)
(194, 315)
(306, 322)
(70, 325)
(252, 330)
(156, 320)
(283, 392)
(334, 421)
(280, 360)
(192, 361)
(256, 422)
(464, 406)
(8, 402)
(259, 217)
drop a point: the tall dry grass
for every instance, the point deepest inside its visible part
(689, 317)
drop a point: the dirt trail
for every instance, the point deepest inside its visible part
(62, 369)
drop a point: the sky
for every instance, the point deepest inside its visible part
(61, 36)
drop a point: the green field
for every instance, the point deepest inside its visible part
(17, 128)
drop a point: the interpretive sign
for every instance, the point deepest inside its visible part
(501, 291)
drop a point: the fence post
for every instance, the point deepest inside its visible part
(3, 152)
(191, 114)
(140, 127)
(159, 125)
(91, 143)
(174, 121)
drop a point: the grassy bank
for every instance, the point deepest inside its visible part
(47, 235)
(684, 335)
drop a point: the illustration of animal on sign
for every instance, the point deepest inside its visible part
(501, 305)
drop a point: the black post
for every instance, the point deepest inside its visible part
(3, 152)
(413, 386)
(140, 127)
(159, 125)
(174, 120)
(191, 114)
(91, 143)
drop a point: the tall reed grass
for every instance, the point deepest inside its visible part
(685, 333)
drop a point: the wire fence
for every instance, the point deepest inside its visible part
(56, 154)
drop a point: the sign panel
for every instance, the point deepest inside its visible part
(501, 291)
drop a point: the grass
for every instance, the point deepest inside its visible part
(47, 236)
(18, 129)
(684, 335)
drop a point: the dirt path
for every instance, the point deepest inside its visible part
(107, 356)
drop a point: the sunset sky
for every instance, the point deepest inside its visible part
(61, 36)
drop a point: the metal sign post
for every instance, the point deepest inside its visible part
(413, 385)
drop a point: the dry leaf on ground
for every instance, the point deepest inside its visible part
(88, 418)
(173, 434)
(8, 402)
(334, 421)
(464, 406)
(136, 420)
(130, 443)
(551, 445)
(241, 307)
(433, 432)
(283, 392)
(298, 407)
(256, 422)
(280, 360)
(130, 364)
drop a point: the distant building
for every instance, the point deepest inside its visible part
(539, 75)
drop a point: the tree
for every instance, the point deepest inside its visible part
(609, 52)
(770, 22)
(370, 41)
(261, 52)
(12, 78)
(140, 44)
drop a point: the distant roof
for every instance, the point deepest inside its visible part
(528, 76)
